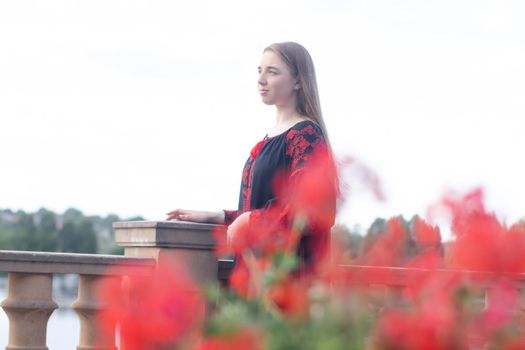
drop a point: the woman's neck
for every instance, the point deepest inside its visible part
(287, 116)
(285, 119)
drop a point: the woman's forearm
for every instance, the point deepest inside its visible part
(207, 217)
(216, 217)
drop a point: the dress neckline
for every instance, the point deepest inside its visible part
(286, 131)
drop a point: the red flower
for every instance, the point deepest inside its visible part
(424, 234)
(433, 322)
(160, 309)
(430, 329)
(291, 297)
(512, 256)
(479, 244)
(246, 277)
(430, 253)
(222, 247)
(460, 207)
(389, 247)
(311, 191)
(482, 242)
(266, 232)
(502, 305)
(518, 343)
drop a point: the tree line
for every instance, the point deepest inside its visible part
(74, 232)
(47, 231)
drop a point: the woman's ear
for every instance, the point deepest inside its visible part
(297, 86)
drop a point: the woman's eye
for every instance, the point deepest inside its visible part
(271, 72)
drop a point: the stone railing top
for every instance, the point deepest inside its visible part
(186, 225)
(164, 234)
(88, 264)
(403, 276)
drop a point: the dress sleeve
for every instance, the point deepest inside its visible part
(313, 178)
(302, 145)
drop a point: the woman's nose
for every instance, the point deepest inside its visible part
(261, 80)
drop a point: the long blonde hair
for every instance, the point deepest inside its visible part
(302, 68)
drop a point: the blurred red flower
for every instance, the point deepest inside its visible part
(291, 297)
(432, 322)
(432, 328)
(425, 235)
(430, 254)
(311, 191)
(222, 248)
(266, 232)
(482, 242)
(501, 311)
(389, 246)
(246, 278)
(160, 309)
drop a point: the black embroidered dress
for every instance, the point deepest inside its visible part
(283, 154)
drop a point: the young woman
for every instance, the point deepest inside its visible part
(287, 81)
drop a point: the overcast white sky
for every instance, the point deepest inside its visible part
(139, 107)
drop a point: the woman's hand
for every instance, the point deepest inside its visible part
(208, 217)
(239, 222)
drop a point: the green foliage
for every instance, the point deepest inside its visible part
(284, 264)
(331, 320)
(78, 237)
(47, 231)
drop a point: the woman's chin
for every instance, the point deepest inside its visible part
(267, 101)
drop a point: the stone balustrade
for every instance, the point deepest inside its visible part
(29, 302)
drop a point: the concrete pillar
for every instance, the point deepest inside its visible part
(28, 305)
(89, 307)
(189, 244)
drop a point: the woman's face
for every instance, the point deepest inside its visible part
(276, 84)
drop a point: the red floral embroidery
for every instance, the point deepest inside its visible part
(256, 149)
(246, 187)
(247, 174)
(302, 144)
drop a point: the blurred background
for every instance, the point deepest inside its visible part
(134, 108)
(119, 110)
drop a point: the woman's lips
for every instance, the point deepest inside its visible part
(263, 92)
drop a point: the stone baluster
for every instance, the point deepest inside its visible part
(29, 301)
(89, 307)
(28, 306)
